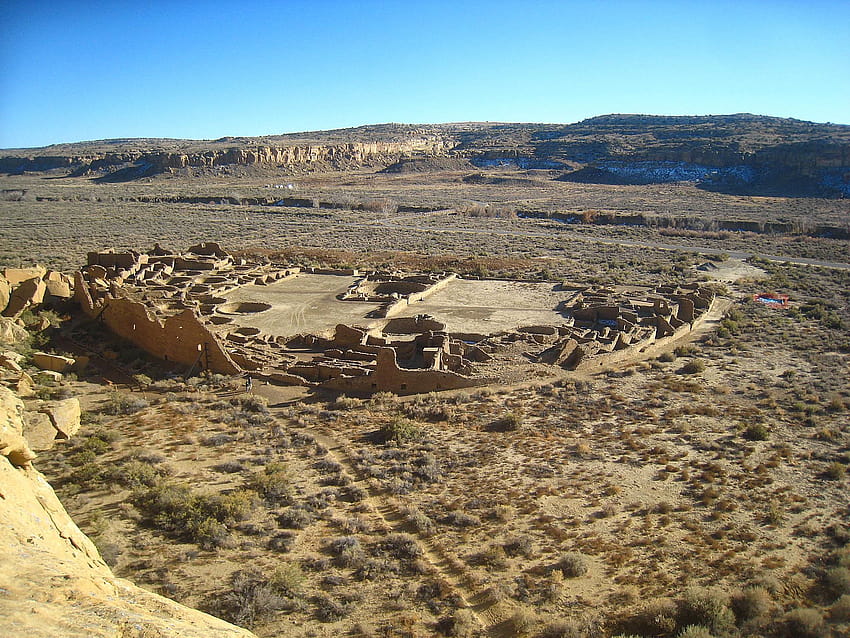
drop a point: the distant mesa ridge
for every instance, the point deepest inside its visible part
(741, 153)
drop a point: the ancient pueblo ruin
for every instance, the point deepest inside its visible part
(207, 310)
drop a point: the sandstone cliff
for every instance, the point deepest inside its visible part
(53, 582)
(736, 153)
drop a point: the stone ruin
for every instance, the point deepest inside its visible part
(172, 305)
(604, 327)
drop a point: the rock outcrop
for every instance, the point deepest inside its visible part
(52, 578)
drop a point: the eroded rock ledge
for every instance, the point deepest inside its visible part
(53, 581)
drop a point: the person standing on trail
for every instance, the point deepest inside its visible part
(249, 383)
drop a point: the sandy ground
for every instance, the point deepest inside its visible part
(305, 303)
(486, 307)
(308, 303)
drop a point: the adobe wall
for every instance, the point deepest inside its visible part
(388, 377)
(175, 339)
(403, 303)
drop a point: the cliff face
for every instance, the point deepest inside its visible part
(741, 153)
(52, 579)
(286, 157)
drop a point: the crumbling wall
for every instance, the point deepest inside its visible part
(181, 337)
(388, 377)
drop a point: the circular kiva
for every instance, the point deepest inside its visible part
(243, 307)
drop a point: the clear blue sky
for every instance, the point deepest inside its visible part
(72, 71)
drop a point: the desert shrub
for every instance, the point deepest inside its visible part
(657, 616)
(401, 546)
(353, 494)
(250, 600)
(252, 403)
(519, 546)
(840, 610)
(805, 622)
(462, 624)
(296, 517)
(287, 579)
(272, 483)
(230, 467)
(694, 366)
(756, 432)
(216, 440)
(135, 474)
(837, 580)
(667, 357)
(511, 422)
(573, 565)
(835, 471)
(281, 542)
(751, 603)
(122, 404)
(522, 621)
(686, 350)
(399, 431)
(343, 402)
(418, 521)
(707, 607)
(237, 505)
(348, 551)
(461, 519)
(493, 557)
(177, 509)
(695, 631)
(210, 534)
(330, 610)
(87, 474)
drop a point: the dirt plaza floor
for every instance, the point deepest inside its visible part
(309, 303)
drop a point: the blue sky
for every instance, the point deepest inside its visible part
(72, 71)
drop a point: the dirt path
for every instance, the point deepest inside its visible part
(491, 616)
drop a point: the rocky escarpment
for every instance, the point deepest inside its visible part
(53, 581)
(740, 153)
(117, 166)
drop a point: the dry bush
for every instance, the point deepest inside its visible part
(805, 622)
(840, 610)
(751, 603)
(707, 607)
(573, 565)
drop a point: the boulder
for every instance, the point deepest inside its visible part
(58, 289)
(27, 294)
(11, 361)
(65, 416)
(48, 376)
(39, 431)
(5, 293)
(16, 276)
(25, 386)
(54, 362)
(11, 333)
(13, 445)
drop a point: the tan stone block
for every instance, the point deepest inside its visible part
(58, 289)
(16, 276)
(25, 386)
(39, 431)
(54, 362)
(26, 294)
(65, 416)
(11, 333)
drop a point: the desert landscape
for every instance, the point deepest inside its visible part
(474, 379)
